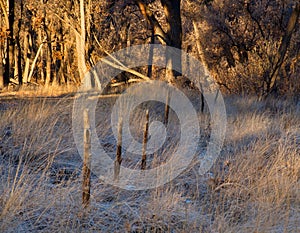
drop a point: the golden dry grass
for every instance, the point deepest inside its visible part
(30, 90)
(253, 187)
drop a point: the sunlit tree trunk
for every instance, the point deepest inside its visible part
(18, 61)
(1, 72)
(47, 29)
(27, 51)
(9, 61)
(2, 42)
(48, 63)
(80, 46)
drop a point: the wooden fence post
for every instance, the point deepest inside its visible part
(167, 108)
(118, 160)
(86, 172)
(145, 140)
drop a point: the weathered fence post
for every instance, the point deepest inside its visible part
(86, 172)
(145, 140)
(150, 59)
(167, 108)
(118, 160)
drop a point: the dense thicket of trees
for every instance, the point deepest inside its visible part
(248, 46)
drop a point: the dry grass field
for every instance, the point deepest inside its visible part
(253, 187)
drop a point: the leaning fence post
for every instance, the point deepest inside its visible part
(167, 108)
(118, 159)
(145, 140)
(86, 172)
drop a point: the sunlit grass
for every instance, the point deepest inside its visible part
(253, 187)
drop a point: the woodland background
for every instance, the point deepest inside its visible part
(249, 47)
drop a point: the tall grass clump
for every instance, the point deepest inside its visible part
(256, 186)
(34, 132)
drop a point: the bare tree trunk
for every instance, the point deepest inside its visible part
(174, 32)
(1, 72)
(40, 41)
(34, 62)
(27, 51)
(3, 44)
(15, 61)
(18, 53)
(199, 46)
(80, 47)
(9, 71)
(47, 29)
(60, 50)
(172, 37)
(202, 58)
(19, 57)
(48, 63)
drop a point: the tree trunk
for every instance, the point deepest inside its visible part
(8, 70)
(27, 51)
(172, 37)
(59, 59)
(18, 61)
(174, 33)
(42, 39)
(80, 47)
(48, 63)
(202, 58)
(149, 16)
(1, 73)
(48, 56)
